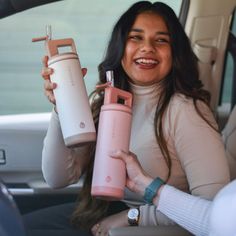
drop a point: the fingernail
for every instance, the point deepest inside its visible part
(54, 85)
(113, 152)
(49, 70)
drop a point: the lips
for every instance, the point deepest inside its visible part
(146, 62)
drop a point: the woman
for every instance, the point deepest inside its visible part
(174, 134)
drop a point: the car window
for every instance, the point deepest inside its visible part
(227, 86)
(88, 22)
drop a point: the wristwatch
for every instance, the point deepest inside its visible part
(133, 216)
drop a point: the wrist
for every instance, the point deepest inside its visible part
(152, 189)
(142, 183)
(157, 197)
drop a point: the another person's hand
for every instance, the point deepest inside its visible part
(118, 220)
(137, 178)
(49, 86)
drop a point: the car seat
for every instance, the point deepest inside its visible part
(229, 139)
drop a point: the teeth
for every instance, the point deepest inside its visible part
(146, 61)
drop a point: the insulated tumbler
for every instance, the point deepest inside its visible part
(71, 96)
(109, 174)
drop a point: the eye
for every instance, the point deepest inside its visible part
(162, 40)
(135, 37)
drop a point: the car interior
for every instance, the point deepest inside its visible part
(25, 113)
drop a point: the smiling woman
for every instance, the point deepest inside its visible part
(147, 58)
(87, 22)
(171, 124)
(169, 136)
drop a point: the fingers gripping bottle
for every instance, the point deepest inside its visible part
(71, 96)
(109, 174)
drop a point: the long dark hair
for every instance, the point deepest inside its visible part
(183, 78)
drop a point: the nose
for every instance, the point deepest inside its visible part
(148, 46)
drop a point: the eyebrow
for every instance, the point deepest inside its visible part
(158, 32)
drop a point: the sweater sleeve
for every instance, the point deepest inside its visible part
(61, 166)
(190, 212)
(200, 149)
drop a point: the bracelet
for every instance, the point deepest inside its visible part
(151, 190)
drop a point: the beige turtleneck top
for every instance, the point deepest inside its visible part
(199, 164)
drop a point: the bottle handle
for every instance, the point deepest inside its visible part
(53, 45)
(112, 95)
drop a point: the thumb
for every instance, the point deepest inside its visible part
(119, 154)
(84, 71)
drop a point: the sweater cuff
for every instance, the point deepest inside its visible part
(191, 212)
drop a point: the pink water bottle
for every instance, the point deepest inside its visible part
(71, 96)
(109, 175)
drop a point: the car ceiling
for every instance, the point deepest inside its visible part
(9, 7)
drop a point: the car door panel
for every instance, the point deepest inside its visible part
(207, 26)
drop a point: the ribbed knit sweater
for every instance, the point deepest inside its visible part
(199, 216)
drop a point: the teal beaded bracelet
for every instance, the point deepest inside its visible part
(151, 190)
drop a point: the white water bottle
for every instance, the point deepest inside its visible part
(71, 96)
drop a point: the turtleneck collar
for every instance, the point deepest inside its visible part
(153, 89)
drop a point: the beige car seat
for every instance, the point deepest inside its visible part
(229, 138)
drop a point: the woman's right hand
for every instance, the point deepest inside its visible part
(49, 86)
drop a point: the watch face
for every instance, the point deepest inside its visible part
(133, 214)
(133, 217)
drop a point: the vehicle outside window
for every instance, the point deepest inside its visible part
(87, 22)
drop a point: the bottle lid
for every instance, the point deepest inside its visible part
(116, 107)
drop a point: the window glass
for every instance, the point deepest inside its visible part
(88, 22)
(228, 76)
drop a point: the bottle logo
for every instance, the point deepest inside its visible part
(82, 125)
(108, 179)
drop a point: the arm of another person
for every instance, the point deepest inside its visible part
(188, 211)
(199, 148)
(199, 216)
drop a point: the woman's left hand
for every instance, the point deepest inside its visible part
(118, 220)
(137, 179)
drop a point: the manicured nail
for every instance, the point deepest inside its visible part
(113, 152)
(49, 71)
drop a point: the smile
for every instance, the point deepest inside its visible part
(145, 61)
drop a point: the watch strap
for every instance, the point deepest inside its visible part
(152, 189)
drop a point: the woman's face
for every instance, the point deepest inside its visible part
(147, 58)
